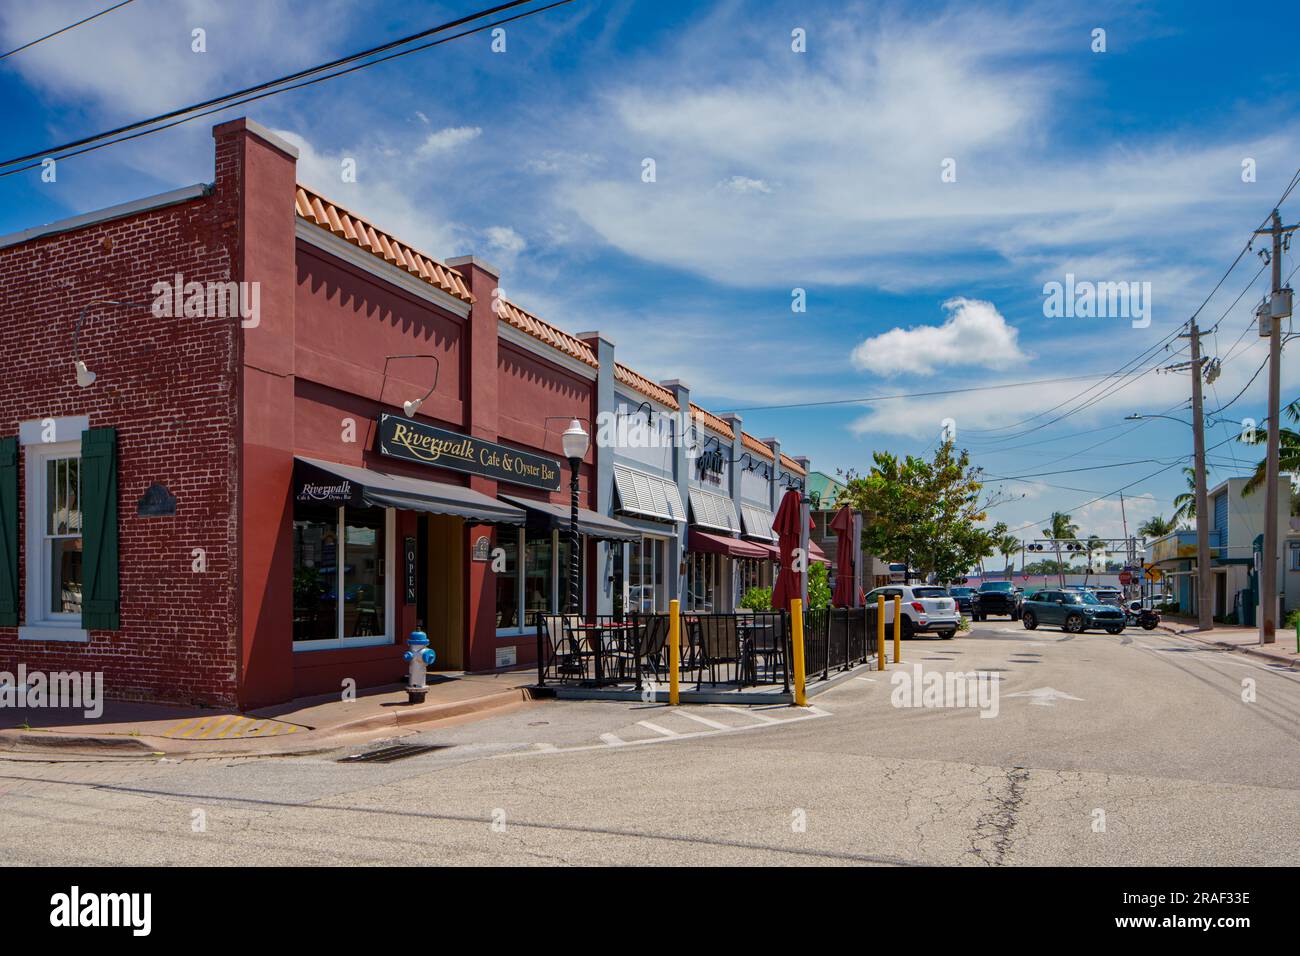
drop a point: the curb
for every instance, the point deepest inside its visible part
(1252, 651)
(313, 741)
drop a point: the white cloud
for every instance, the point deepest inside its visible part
(975, 334)
(446, 140)
(743, 184)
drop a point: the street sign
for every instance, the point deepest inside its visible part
(1125, 578)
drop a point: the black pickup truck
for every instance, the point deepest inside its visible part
(994, 597)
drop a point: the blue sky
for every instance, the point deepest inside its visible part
(775, 170)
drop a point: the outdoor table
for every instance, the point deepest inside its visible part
(594, 634)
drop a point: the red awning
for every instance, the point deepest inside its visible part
(702, 541)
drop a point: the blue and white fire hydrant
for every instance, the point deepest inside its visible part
(421, 657)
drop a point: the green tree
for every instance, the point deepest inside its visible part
(1060, 528)
(1157, 526)
(1288, 447)
(1095, 546)
(819, 585)
(925, 513)
(1185, 504)
(1008, 546)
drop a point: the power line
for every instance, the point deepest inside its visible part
(263, 90)
(93, 16)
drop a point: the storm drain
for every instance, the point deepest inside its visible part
(389, 754)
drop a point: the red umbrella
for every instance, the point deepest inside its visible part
(789, 582)
(842, 525)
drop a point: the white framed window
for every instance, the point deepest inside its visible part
(1294, 562)
(53, 542)
(537, 584)
(343, 585)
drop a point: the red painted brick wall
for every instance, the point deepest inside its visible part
(168, 386)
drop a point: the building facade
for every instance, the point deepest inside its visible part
(250, 440)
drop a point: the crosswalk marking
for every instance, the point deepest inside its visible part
(753, 713)
(657, 729)
(613, 740)
(702, 720)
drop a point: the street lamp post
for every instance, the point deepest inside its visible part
(575, 442)
(1204, 576)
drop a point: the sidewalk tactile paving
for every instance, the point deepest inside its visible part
(228, 727)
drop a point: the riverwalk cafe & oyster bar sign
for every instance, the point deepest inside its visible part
(415, 441)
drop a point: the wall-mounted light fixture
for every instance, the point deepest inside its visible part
(410, 407)
(85, 377)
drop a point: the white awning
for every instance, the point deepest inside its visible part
(710, 510)
(758, 522)
(647, 496)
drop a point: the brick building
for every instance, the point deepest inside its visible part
(249, 440)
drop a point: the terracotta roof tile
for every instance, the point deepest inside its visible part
(527, 322)
(712, 420)
(337, 220)
(640, 383)
(789, 464)
(754, 445)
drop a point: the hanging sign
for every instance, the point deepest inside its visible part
(412, 569)
(409, 440)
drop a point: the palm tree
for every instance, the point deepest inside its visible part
(1060, 528)
(1185, 504)
(1007, 547)
(1157, 526)
(1288, 445)
(1095, 544)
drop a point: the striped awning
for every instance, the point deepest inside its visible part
(710, 510)
(647, 496)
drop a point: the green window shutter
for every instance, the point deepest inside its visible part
(8, 532)
(99, 587)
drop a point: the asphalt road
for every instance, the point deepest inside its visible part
(1137, 749)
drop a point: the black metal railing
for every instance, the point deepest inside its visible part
(713, 649)
(837, 638)
(738, 650)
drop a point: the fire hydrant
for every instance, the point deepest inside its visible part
(421, 657)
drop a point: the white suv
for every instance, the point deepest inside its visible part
(925, 608)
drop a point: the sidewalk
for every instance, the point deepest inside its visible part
(1244, 639)
(307, 725)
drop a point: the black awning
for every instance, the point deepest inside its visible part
(326, 482)
(545, 516)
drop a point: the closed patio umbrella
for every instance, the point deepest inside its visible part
(789, 582)
(845, 556)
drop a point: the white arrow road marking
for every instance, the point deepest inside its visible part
(1043, 696)
(869, 680)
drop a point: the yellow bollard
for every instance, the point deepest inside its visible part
(796, 641)
(674, 649)
(898, 625)
(880, 633)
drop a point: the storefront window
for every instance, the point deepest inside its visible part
(544, 578)
(538, 575)
(508, 580)
(340, 551)
(703, 582)
(646, 593)
(363, 572)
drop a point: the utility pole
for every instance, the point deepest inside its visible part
(1279, 307)
(1204, 576)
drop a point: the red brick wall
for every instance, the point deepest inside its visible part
(168, 386)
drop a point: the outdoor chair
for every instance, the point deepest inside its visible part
(719, 644)
(565, 649)
(652, 642)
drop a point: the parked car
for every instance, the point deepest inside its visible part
(1072, 611)
(1112, 596)
(965, 598)
(994, 597)
(925, 607)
